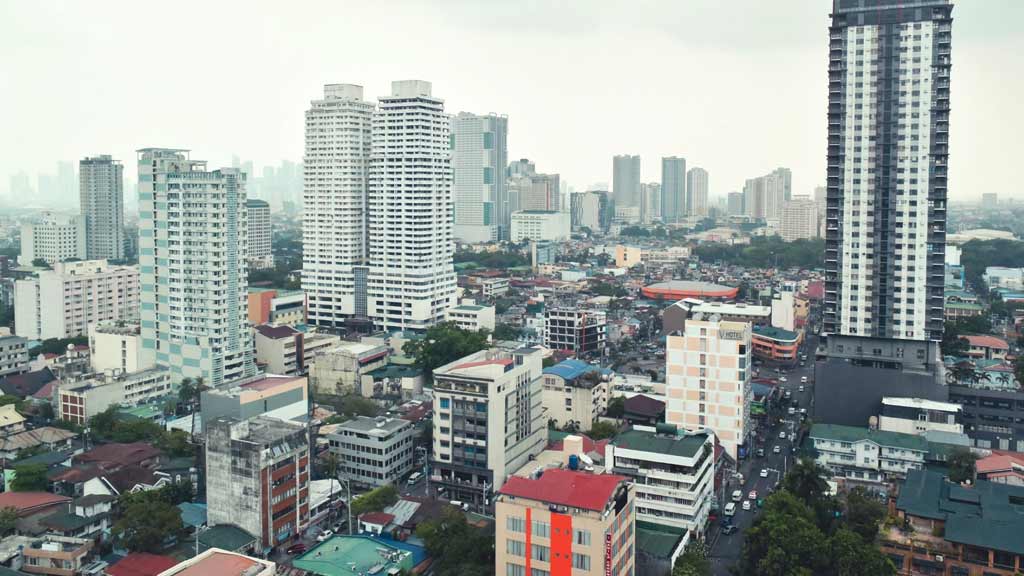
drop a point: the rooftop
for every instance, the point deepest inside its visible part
(374, 426)
(642, 405)
(685, 446)
(854, 434)
(921, 403)
(775, 333)
(358, 556)
(988, 515)
(486, 364)
(985, 341)
(573, 369)
(276, 332)
(141, 564)
(566, 488)
(218, 562)
(729, 308)
(28, 502)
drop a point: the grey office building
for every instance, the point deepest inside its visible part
(101, 198)
(673, 189)
(626, 181)
(373, 451)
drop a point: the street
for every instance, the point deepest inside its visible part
(725, 549)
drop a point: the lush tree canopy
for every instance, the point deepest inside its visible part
(961, 465)
(692, 562)
(601, 429)
(980, 254)
(149, 520)
(375, 500)
(59, 345)
(457, 548)
(505, 331)
(444, 343)
(500, 260)
(766, 252)
(29, 478)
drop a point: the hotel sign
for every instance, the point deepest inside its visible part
(728, 334)
(608, 554)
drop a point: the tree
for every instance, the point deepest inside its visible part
(616, 407)
(806, 481)
(40, 263)
(8, 518)
(29, 478)
(59, 346)
(601, 429)
(961, 465)
(457, 548)
(504, 331)
(851, 556)
(692, 562)
(375, 500)
(444, 343)
(863, 514)
(784, 540)
(148, 522)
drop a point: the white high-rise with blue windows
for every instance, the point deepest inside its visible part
(479, 156)
(192, 254)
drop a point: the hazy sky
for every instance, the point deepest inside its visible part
(738, 87)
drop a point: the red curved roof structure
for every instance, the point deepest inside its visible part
(679, 289)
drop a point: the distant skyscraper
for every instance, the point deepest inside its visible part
(101, 198)
(990, 201)
(590, 210)
(650, 207)
(479, 158)
(799, 219)
(55, 238)
(887, 169)
(542, 193)
(735, 204)
(673, 189)
(192, 251)
(66, 188)
(764, 196)
(820, 200)
(260, 247)
(411, 281)
(626, 181)
(697, 192)
(335, 204)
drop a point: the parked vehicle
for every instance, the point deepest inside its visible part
(764, 473)
(730, 530)
(324, 535)
(414, 478)
(746, 504)
(299, 548)
(737, 495)
(730, 508)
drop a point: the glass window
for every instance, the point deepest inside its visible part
(541, 553)
(580, 561)
(515, 547)
(445, 402)
(514, 570)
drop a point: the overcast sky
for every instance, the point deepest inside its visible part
(737, 87)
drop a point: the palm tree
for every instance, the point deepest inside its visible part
(806, 480)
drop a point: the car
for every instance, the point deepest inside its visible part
(803, 379)
(782, 435)
(783, 379)
(296, 548)
(776, 450)
(737, 496)
(730, 509)
(760, 452)
(746, 504)
(801, 388)
(764, 473)
(802, 363)
(789, 393)
(752, 495)
(730, 529)
(791, 411)
(803, 411)
(324, 535)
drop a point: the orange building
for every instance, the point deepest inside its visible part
(565, 523)
(278, 307)
(776, 345)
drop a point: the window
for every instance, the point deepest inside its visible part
(515, 524)
(515, 547)
(445, 402)
(514, 570)
(541, 553)
(541, 529)
(580, 561)
(539, 572)
(581, 537)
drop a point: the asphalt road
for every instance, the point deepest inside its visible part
(725, 550)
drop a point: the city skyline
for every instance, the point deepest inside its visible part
(558, 132)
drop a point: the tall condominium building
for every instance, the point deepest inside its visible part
(821, 201)
(65, 301)
(257, 477)
(707, 367)
(734, 204)
(566, 522)
(193, 243)
(697, 192)
(412, 277)
(541, 192)
(799, 219)
(889, 69)
(55, 238)
(650, 202)
(101, 196)
(260, 253)
(479, 158)
(589, 210)
(334, 244)
(764, 196)
(488, 421)
(626, 181)
(990, 201)
(673, 189)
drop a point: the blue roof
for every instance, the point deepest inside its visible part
(193, 514)
(571, 369)
(761, 389)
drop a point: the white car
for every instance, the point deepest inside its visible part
(791, 411)
(324, 535)
(746, 504)
(777, 450)
(764, 471)
(783, 379)
(803, 379)
(801, 388)
(803, 410)
(782, 435)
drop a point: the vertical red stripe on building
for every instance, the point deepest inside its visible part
(561, 544)
(529, 529)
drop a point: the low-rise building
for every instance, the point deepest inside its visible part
(488, 421)
(286, 351)
(1003, 468)
(776, 345)
(222, 563)
(13, 355)
(540, 225)
(373, 451)
(968, 530)
(55, 238)
(393, 381)
(575, 392)
(257, 477)
(987, 347)
(277, 307)
(673, 474)
(493, 287)
(865, 455)
(470, 316)
(565, 522)
(57, 555)
(341, 369)
(116, 346)
(579, 330)
(284, 397)
(79, 400)
(919, 416)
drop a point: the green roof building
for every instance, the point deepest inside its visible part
(867, 455)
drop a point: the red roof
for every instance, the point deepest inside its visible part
(1000, 462)
(566, 488)
(379, 518)
(498, 362)
(982, 341)
(141, 564)
(28, 502)
(589, 445)
(118, 454)
(270, 382)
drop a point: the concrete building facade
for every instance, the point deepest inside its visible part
(55, 238)
(697, 192)
(540, 225)
(260, 234)
(373, 451)
(579, 330)
(479, 158)
(673, 189)
(101, 198)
